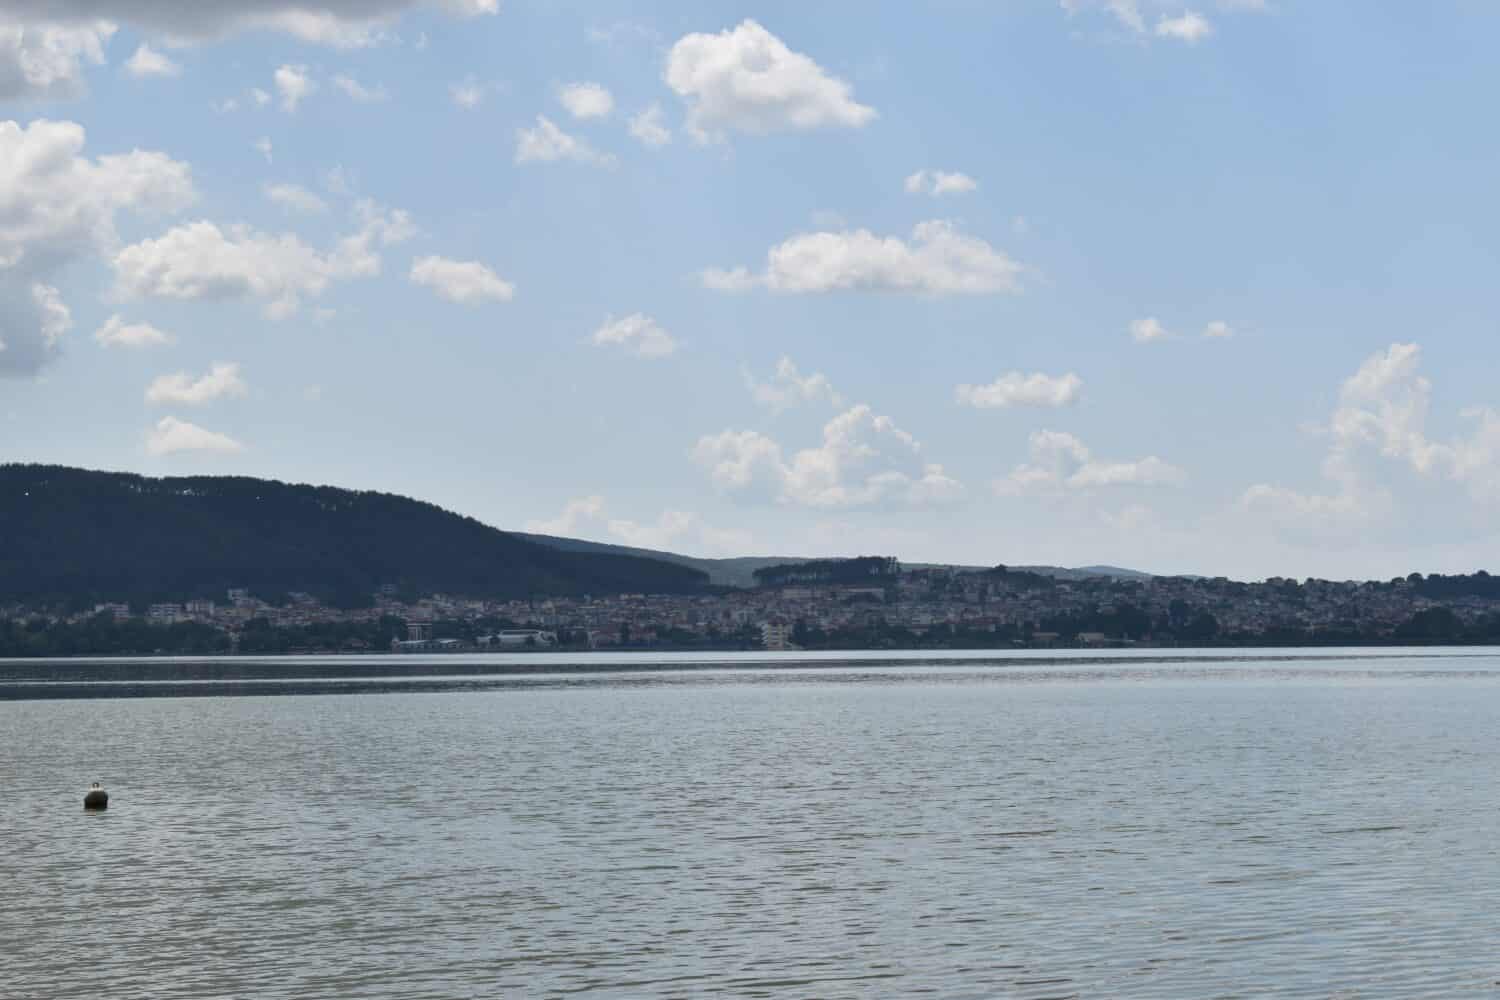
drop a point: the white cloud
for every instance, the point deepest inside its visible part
(939, 260)
(1381, 418)
(263, 147)
(747, 80)
(547, 143)
(57, 207)
(1019, 389)
(356, 91)
(737, 279)
(649, 128)
(222, 381)
(117, 333)
(294, 85)
(1060, 462)
(586, 100)
(468, 93)
(1148, 330)
(638, 334)
(789, 388)
(295, 197)
(260, 97)
(1218, 329)
(1127, 12)
(201, 261)
(865, 460)
(939, 182)
(466, 282)
(46, 60)
(1190, 27)
(171, 436)
(340, 23)
(55, 317)
(572, 519)
(148, 62)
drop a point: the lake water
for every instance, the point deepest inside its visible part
(1313, 824)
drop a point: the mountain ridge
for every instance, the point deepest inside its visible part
(738, 571)
(76, 536)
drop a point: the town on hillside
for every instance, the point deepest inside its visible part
(867, 603)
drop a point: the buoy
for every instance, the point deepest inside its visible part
(96, 797)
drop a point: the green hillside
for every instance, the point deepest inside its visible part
(75, 536)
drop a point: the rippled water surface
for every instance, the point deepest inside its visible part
(1287, 826)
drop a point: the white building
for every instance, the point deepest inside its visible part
(776, 635)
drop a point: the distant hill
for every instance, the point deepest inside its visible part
(76, 536)
(740, 571)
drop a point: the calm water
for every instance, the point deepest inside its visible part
(1284, 826)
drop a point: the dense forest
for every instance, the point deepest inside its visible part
(71, 537)
(863, 571)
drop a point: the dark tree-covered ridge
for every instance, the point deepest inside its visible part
(872, 570)
(73, 536)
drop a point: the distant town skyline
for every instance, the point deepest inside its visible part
(1196, 288)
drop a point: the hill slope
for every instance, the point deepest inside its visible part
(739, 571)
(76, 536)
(735, 571)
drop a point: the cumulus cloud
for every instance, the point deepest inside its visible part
(171, 436)
(341, 23)
(586, 100)
(1060, 462)
(649, 128)
(864, 460)
(637, 334)
(572, 519)
(295, 197)
(201, 261)
(1219, 330)
(788, 387)
(466, 282)
(117, 333)
(42, 59)
(746, 79)
(547, 143)
(1190, 27)
(147, 62)
(938, 260)
(939, 182)
(1381, 418)
(356, 91)
(1019, 389)
(294, 85)
(1148, 331)
(263, 147)
(56, 207)
(222, 381)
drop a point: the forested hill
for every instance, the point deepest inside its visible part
(74, 536)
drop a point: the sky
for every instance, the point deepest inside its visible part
(1190, 289)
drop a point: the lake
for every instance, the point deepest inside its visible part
(1152, 824)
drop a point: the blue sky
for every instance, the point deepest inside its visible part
(1193, 289)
